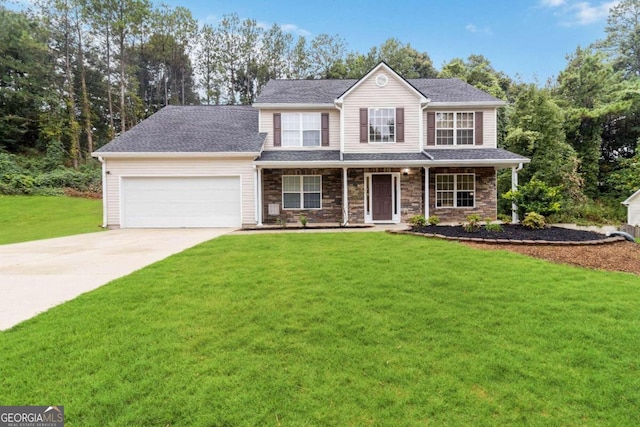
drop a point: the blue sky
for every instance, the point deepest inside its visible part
(530, 38)
(525, 38)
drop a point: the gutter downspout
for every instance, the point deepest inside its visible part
(514, 187)
(104, 191)
(423, 105)
(426, 192)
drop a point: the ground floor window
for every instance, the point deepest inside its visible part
(301, 191)
(455, 190)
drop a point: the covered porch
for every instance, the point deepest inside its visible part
(371, 188)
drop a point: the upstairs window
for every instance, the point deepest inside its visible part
(301, 129)
(454, 128)
(382, 125)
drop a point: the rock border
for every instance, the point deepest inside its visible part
(607, 240)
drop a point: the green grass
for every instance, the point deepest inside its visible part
(343, 329)
(24, 218)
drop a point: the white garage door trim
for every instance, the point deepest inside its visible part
(180, 201)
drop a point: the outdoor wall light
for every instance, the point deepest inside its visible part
(405, 171)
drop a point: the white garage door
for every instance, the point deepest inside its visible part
(175, 202)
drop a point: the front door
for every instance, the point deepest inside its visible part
(382, 200)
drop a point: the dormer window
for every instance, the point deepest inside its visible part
(382, 125)
(301, 129)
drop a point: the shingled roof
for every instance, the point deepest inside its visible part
(327, 91)
(445, 154)
(303, 91)
(192, 129)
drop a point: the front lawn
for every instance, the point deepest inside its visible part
(24, 218)
(337, 329)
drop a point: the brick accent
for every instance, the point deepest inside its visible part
(331, 196)
(411, 191)
(486, 195)
(355, 178)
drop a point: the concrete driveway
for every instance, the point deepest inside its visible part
(38, 275)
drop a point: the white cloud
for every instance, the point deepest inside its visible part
(473, 28)
(585, 13)
(572, 13)
(552, 3)
(292, 28)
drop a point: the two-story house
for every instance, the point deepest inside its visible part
(375, 150)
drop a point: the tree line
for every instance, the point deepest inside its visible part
(76, 73)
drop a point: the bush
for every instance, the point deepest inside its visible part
(30, 175)
(534, 221)
(303, 220)
(433, 220)
(536, 196)
(504, 218)
(418, 221)
(21, 183)
(473, 223)
(602, 211)
(493, 226)
(68, 178)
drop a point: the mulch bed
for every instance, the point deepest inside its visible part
(619, 256)
(513, 232)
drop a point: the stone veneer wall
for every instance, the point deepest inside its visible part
(331, 211)
(411, 191)
(486, 195)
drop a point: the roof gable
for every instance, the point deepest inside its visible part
(382, 66)
(632, 197)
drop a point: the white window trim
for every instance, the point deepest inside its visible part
(455, 190)
(455, 129)
(302, 193)
(395, 133)
(395, 195)
(301, 130)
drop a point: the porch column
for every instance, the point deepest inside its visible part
(259, 196)
(514, 187)
(426, 192)
(345, 198)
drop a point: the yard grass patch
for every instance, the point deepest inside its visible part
(337, 329)
(24, 218)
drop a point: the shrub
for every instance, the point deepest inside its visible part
(433, 220)
(46, 191)
(534, 221)
(473, 223)
(303, 220)
(504, 218)
(536, 196)
(81, 180)
(589, 212)
(418, 221)
(9, 166)
(493, 226)
(21, 183)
